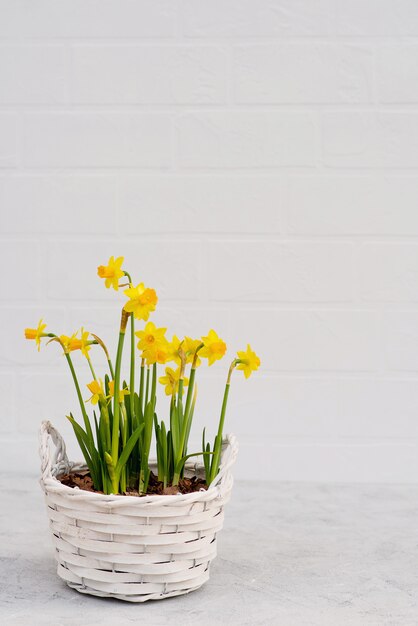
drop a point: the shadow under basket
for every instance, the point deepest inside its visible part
(129, 547)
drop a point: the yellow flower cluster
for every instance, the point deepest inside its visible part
(155, 348)
(141, 300)
(69, 343)
(153, 344)
(72, 343)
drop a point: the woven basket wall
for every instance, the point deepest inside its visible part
(131, 548)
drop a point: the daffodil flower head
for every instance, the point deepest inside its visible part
(173, 350)
(111, 272)
(150, 336)
(70, 343)
(36, 333)
(214, 347)
(248, 361)
(190, 347)
(154, 345)
(171, 380)
(157, 354)
(142, 301)
(122, 392)
(96, 389)
(84, 342)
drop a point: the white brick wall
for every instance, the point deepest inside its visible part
(254, 160)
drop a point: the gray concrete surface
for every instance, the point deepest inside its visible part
(289, 555)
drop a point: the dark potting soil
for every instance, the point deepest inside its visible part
(83, 481)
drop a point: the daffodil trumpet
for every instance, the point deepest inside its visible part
(116, 443)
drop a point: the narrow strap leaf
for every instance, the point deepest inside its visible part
(123, 459)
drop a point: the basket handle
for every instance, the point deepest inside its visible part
(48, 433)
(228, 458)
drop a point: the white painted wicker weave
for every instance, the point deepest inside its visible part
(131, 548)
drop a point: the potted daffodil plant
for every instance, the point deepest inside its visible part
(125, 525)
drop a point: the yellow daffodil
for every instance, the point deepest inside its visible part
(70, 343)
(153, 344)
(171, 380)
(150, 337)
(111, 272)
(214, 348)
(122, 392)
(190, 346)
(96, 388)
(36, 333)
(173, 350)
(249, 361)
(142, 301)
(84, 342)
(158, 353)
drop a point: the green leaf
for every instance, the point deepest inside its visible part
(106, 383)
(98, 437)
(149, 418)
(164, 443)
(183, 460)
(175, 430)
(170, 461)
(126, 452)
(138, 408)
(110, 466)
(214, 468)
(206, 460)
(89, 451)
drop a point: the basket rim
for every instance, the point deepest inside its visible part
(50, 483)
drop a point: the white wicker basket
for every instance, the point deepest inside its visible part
(131, 548)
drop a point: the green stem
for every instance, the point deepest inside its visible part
(147, 434)
(146, 390)
(184, 427)
(99, 342)
(124, 440)
(116, 405)
(141, 386)
(180, 389)
(154, 382)
(104, 414)
(132, 372)
(132, 368)
(183, 419)
(80, 397)
(91, 368)
(189, 392)
(218, 442)
(77, 387)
